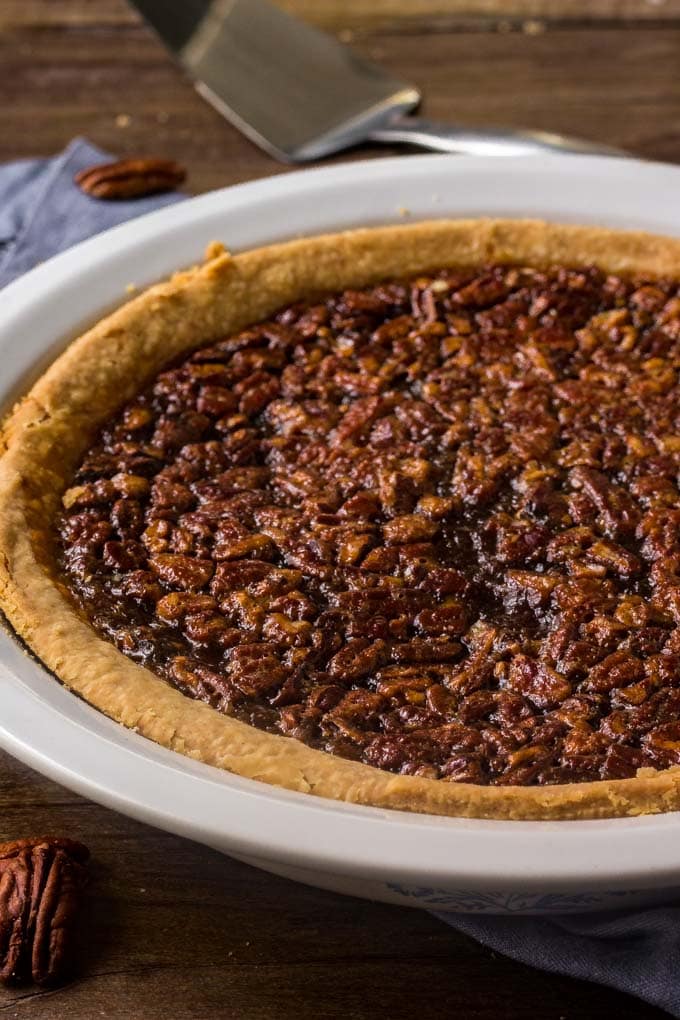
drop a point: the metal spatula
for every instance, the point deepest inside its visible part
(300, 95)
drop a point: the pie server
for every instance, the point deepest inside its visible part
(300, 95)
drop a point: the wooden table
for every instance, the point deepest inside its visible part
(175, 930)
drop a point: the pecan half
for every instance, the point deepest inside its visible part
(40, 884)
(130, 178)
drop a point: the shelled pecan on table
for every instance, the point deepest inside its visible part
(130, 178)
(40, 886)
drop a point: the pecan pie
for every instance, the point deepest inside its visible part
(390, 516)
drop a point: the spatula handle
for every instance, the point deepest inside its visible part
(483, 142)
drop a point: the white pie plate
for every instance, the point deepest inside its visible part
(421, 861)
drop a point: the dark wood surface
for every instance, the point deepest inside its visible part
(174, 930)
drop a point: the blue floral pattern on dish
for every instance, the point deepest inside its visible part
(470, 902)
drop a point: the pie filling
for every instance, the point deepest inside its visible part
(432, 526)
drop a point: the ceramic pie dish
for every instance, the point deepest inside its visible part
(45, 444)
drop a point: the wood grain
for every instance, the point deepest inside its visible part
(112, 81)
(522, 14)
(331, 13)
(174, 929)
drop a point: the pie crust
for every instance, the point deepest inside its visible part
(50, 429)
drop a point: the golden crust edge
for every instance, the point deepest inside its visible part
(50, 428)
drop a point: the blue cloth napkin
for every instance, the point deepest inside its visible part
(42, 213)
(634, 951)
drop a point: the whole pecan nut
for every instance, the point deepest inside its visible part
(40, 884)
(130, 178)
